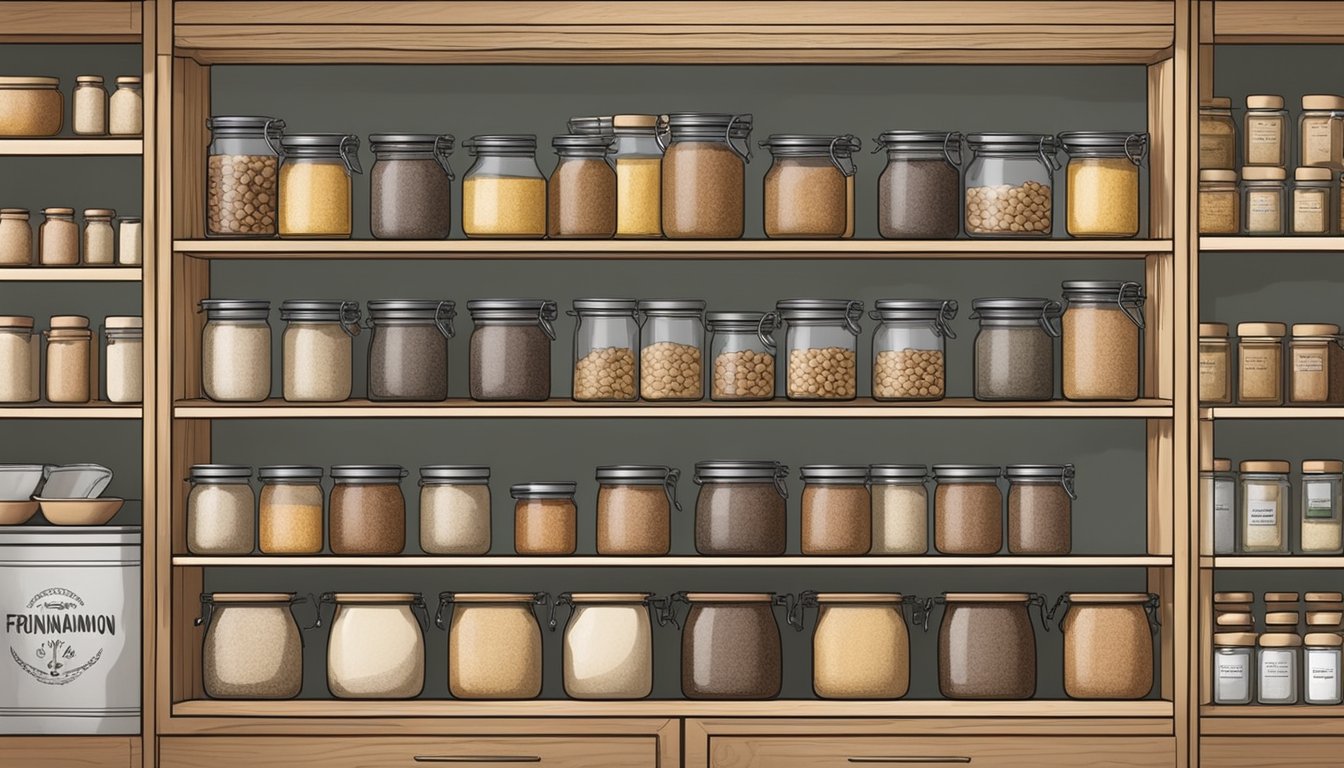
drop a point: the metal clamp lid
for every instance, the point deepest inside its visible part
(1133, 146)
(367, 473)
(886, 474)
(834, 474)
(1126, 294)
(1151, 603)
(707, 125)
(919, 608)
(943, 472)
(318, 145)
(603, 307)
(673, 307)
(208, 472)
(209, 602)
(728, 471)
(289, 472)
(414, 600)
(448, 598)
(501, 144)
(344, 312)
(466, 474)
(840, 149)
(1060, 473)
(441, 313)
(562, 489)
(571, 599)
(940, 312)
(544, 311)
(921, 141)
(1044, 311)
(642, 474)
(821, 311)
(271, 129)
(440, 146)
(235, 309)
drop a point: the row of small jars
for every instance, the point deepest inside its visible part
(59, 241)
(1266, 138)
(34, 106)
(70, 360)
(1311, 371)
(1280, 668)
(1261, 204)
(1251, 512)
(731, 646)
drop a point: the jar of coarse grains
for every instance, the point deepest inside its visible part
(100, 240)
(744, 355)
(242, 176)
(837, 510)
(290, 510)
(1217, 135)
(918, 189)
(1102, 339)
(581, 193)
(1103, 186)
(704, 174)
(253, 647)
(455, 509)
(1260, 355)
(671, 355)
(810, 185)
(821, 347)
(741, 508)
(1265, 506)
(1108, 643)
(510, 356)
(1321, 501)
(410, 186)
(236, 350)
(861, 645)
(1313, 201)
(1263, 200)
(16, 238)
(319, 349)
(1015, 348)
(368, 510)
(900, 508)
(503, 192)
(634, 509)
(70, 353)
(315, 187)
(606, 337)
(908, 348)
(1009, 184)
(19, 356)
(1219, 203)
(1040, 508)
(1215, 364)
(408, 354)
(125, 355)
(1316, 364)
(58, 238)
(545, 518)
(220, 510)
(967, 509)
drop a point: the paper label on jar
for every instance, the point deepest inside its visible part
(1263, 130)
(1322, 675)
(1308, 362)
(1263, 203)
(1253, 360)
(1320, 499)
(1262, 512)
(1234, 676)
(1318, 141)
(1224, 516)
(1276, 675)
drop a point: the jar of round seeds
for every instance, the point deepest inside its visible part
(1103, 185)
(967, 509)
(408, 354)
(908, 348)
(634, 509)
(220, 510)
(315, 188)
(822, 347)
(809, 189)
(253, 647)
(545, 518)
(319, 349)
(242, 176)
(671, 355)
(1009, 184)
(291, 506)
(1102, 339)
(917, 191)
(704, 174)
(368, 510)
(743, 350)
(510, 356)
(1040, 508)
(606, 337)
(581, 193)
(1015, 348)
(900, 509)
(455, 509)
(236, 350)
(410, 186)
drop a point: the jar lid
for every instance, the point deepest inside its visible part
(598, 125)
(1218, 175)
(1282, 619)
(88, 78)
(99, 213)
(1280, 640)
(511, 309)
(737, 320)
(412, 142)
(219, 472)
(1011, 142)
(894, 598)
(16, 321)
(375, 598)
(29, 82)
(1323, 640)
(410, 309)
(317, 143)
(128, 326)
(739, 470)
(634, 121)
(1086, 143)
(1109, 598)
(636, 474)
(493, 597)
(1222, 465)
(544, 490)
(1324, 618)
(58, 211)
(236, 309)
(1233, 597)
(462, 473)
(949, 471)
(1109, 291)
(1264, 102)
(502, 143)
(730, 597)
(609, 597)
(918, 140)
(129, 219)
(1012, 308)
(1261, 329)
(986, 597)
(711, 121)
(1322, 466)
(583, 143)
(64, 322)
(1232, 619)
(794, 310)
(367, 472)
(1235, 639)
(295, 310)
(1281, 597)
(1271, 467)
(1057, 472)
(129, 80)
(606, 306)
(672, 307)
(809, 144)
(914, 309)
(1313, 174)
(1318, 101)
(289, 472)
(1213, 330)
(69, 334)
(1324, 597)
(1216, 102)
(823, 474)
(1263, 173)
(14, 213)
(250, 597)
(884, 472)
(1315, 329)
(244, 123)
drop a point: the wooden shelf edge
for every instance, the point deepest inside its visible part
(1279, 562)
(1240, 412)
(97, 411)
(688, 561)
(1251, 244)
(71, 274)
(68, 147)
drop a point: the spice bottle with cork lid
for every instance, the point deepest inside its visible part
(1217, 135)
(639, 176)
(1219, 203)
(1263, 200)
(69, 357)
(315, 188)
(99, 238)
(503, 192)
(1321, 668)
(16, 238)
(125, 353)
(90, 106)
(1280, 660)
(1321, 130)
(127, 108)
(1218, 509)
(1260, 355)
(1234, 667)
(581, 193)
(1315, 364)
(1215, 364)
(1264, 506)
(1313, 196)
(1102, 196)
(1266, 131)
(58, 238)
(19, 356)
(545, 518)
(1321, 520)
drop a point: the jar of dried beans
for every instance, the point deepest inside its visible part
(1263, 200)
(16, 238)
(634, 509)
(809, 188)
(704, 174)
(918, 189)
(410, 186)
(1215, 364)
(606, 337)
(1108, 643)
(242, 176)
(376, 649)
(1040, 508)
(730, 646)
(861, 644)
(494, 644)
(741, 508)
(987, 645)
(368, 510)
(1260, 355)
(1313, 201)
(236, 350)
(608, 645)
(1102, 339)
(1015, 348)
(19, 356)
(671, 355)
(821, 347)
(967, 509)
(319, 349)
(1321, 131)
(837, 510)
(291, 506)
(900, 509)
(1009, 184)
(581, 193)
(315, 189)
(1266, 131)
(744, 355)
(70, 357)
(455, 509)
(125, 354)
(545, 518)
(408, 354)
(1103, 186)
(639, 176)
(253, 648)
(58, 238)
(908, 348)
(1217, 135)
(1321, 501)
(1264, 506)
(510, 356)
(220, 510)
(503, 193)
(1316, 364)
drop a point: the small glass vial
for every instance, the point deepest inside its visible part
(16, 238)
(1264, 507)
(1260, 363)
(1321, 481)
(1217, 135)
(1234, 667)
(58, 238)
(1315, 364)
(1266, 132)
(1321, 668)
(1219, 203)
(1215, 364)
(291, 506)
(581, 193)
(545, 519)
(639, 176)
(743, 349)
(1218, 502)
(606, 339)
(90, 106)
(1321, 131)
(672, 349)
(455, 509)
(100, 241)
(1280, 657)
(821, 347)
(900, 509)
(1313, 208)
(130, 241)
(127, 112)
(125, 354)
(909, 348)
(1263, 200)
(69, 357)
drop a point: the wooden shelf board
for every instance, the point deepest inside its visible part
(677, 561)
(1278, 21)
(1282, 562)
(1267, 711)
(1251, 244)
(89, 21)
(62, 147)
(70, 274)
(90, 411)
(1222, 413)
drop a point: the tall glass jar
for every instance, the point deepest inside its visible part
(411, 186)
(1219, 203)
(606, 337)
(900, 509)
(1315, 364)
(1266, 131)
(987, 646)
(1108, 643)
(967, 509)
(16, 238)
(19, 356)
(70, 354)
(408, 354)
(318, 349)
(510, 356)
(581, 193)
(253, 648)
(809, 187)
(503, 193)
(671, 355)
(918, 189)
(634, 509)
(1263, 200)
(908, 348)
(730, 646)
(220, 510)
(821, 346)
(124, 378)
(639, 176)
(1321, 131)
(376, 649)
(1260, 368)
(741, 508)
(545, 518)
(242, 176)
(1040, 508)
(368, 509)
(455, 509)
(1103, 186)
(1009, 184)
(743, 352)
(100, 240)
(1217, 135)
(290, 510)
(1015, 348)
(1102, 339)
(1264, 506)
(126, 108)
(1321, 500)
(315, 189)
(704, 174)
(837, 510)
(1218, 509)
(58, 238)
(1215, 364)
(236, 350)
(1313, 201)
(90, 106)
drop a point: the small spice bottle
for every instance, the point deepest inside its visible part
(1217, 135)
(1219, 203)
(368, 510)
(634, 509)
(100, 241)
(291, 509)
(1321, 520)
(1313, 209)
(1263, 200)
(1321, 668)
(581, 193)
(1233, 667)
(968, 509)
(19, 355)
(220, 510)
(1218, 509)
(1266, 128)
(90, 106)
(1260, 355)
(127, 112)
(1040, 508)
(125, 353)
(545, 519)
(837, 510)
(1321, 127)
(1264, 506)
(671, 355)
(69, 356)
(900, 509)
(16, 238)
(1280, 659)
(1215, 364)
(455, 509)
(58, 238)
(130, 241)
(1315, 364)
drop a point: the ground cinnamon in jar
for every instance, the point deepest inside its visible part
(581, 193)
(704, 176)
(837, 510)
(634, 509)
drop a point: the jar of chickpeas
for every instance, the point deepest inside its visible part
(671, 356)
(908, 348)
(606, 335)
(1010, 183)
(821, 347)
(743, 350)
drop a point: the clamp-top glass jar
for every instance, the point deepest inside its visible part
(917, 191)
(236, 350)
(704, 174)
(837, 510)
(504, 192)
(545, 518)
(510, 356)
(743, 350)
(221, 509)
(606, 336)
(368, 509)
(634, 509)
(671, 356)
(809, 188)
(290, 510)
(822, 346)
(410, 186)
(741, 508)
(408, 354)
(315, 189)
(1015, 348)
(1102, 196)
(319, 349)
(967, 509)
(639, 176)
(581, 193)
(455, 509)
(908, 348)
(900, 509)
(1040, 508)
(1102, 339)
(242, 176)
(1009, 184)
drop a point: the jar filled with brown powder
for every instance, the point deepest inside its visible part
(837, 510)
(1108, 644)
(368, 510)
(919, 189)
(510, 353)
(1260, 355)
(545, 518)
(809, 185)
(730, 646)
(16, 238)
(1217, 135)
(58, 238)
(581, 193)
(634, 509)
(410, 186)
(408, 355)
(704, 174)
(987, 646)
(968, 509)
(741, 508)
(1102, 339)
(1040, 508)
(1215, 364)
(1315, 364)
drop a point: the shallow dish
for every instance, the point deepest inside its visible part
(80, 511)
(17, 512)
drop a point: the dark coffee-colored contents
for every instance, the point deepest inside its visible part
(731, 651)
(918, 199)
(740, 519)
(408, 362)
(987, 651)
(368, 519)
(510, 362)
(581, 199)
(411, 200)
(1039, 519)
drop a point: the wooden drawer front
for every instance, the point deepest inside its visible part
(977, 752)
(70, 751)
(1262, 752)
(422, 752)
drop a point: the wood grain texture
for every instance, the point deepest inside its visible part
(190, 138)
(1278, 21)
(825, 751)
(1160, 326)
(928, 726)
(69, 751)
(25, 22)
(1295, 752)
(419, 728)
(576, 751)
(1161, 474)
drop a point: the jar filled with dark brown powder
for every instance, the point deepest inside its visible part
(1040, 508)
(919, 191)
(368, 510)
(581, 193)
(545, 518)
(704, 174)
(634, 509)
(1015, 348)
(411, 186)
(741, 508)
(808, 187)
(837, 510)
(510, 355)
(968, 509)
(987, 646)
(730, 648)
(408, 355)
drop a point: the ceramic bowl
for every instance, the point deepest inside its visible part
(80, 511)
(17, 512)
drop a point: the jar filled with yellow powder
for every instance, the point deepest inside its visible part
(1313, 195)
(1217, 135)
(1266, 131)
(639, 177)
(1321, 131)
(504, 192)
(315, 184)
(1103, 188)
(291, 509)
(1262, 190)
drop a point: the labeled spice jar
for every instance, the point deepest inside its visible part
(1279, 661)
(70, 355)
(1217, 135)
(31, 106)
(1315, 364)
(606, 336)
(634, 509)
(130, 241)
(1260, 363)
(1102, 196)
(837, 510)
(455, 509)
(411, 186)
(291, 506)
(319, 349)
(1321, 487)
(1321, 131)
(900, 509)
(1264, 506)
(1215, 364)
(581, 193)
(1015, 348)
(987, 646)
(1234, 667)
(545, 518)
(1264, 200)
(909, 348)
(1321, 668)
(220, 510)
(1009, 184)
(608, 645)
(126, 108)
(58, 238)
(918, 191)
(242, 176)
(1219, 203)
(494, 644)
(861, 645)
(741, 508)
(236, 350)
(16, 238)
(1218, 509)
(639, 176)
(1108, 643)
(376, 649)
(89, 103)
(503, 193)
(1102, 339)
(1313, 201)
(730, 646)
(809, 187)
(967, 509)
(253, 648)
(19, 356)
(124, 379)
(1040, 508)
(408, 354)
(743, 349)
(822, 347)
(368, 510)
(100, 241)
(315, 190)
(704, 174)
(671, 354)
(510, 357)
(1266, 131)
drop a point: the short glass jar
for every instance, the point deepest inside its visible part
(510, 350)
(220, 510)
(606, 337)
(1217, 135)
(1102, 339)
(1260, 363)
(411, 186)
(987, 646)
(1321, 668)
(242, 176)
(1009, 184)
(290, 520)
(967, 509)
(545, 518)
(1280, 668)
(704, 174)
(743, 349)
(494, 644)
(918, 189)
(1219, 203)
(124, 377)
(1313, 201)
(1040, 508)
(608, 645)
(368, 510)
(1102, 196)
(809, 187)
(33, 106)
(741, 508)
(909, 360)
(671, 355)
(1108, 643)
(455, 509)
(639, 176)
(581, 193)
(1265, 507)
(504, 192)
(861, 645)
(821, 346)
(634, 509)
(1321, 501)
(837, 510)
(1315, 364)
(376, 648)
(89, 102)
(236, 350)
(1218, 509)
(126, 108)
(16, 238)
(100, 240)
(408, 354)
(730, 646)
(1265, 131)
(318, 349)
(1015, 348)
(1321, 131)
(1216, 371)
(70, 357)
(253, 647)
(900, 509)
(20, 351)
(1263, 200)
(58, 238)
(315, 188)
(1234, 667)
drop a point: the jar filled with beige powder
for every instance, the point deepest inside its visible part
(58, 238)
(220, 510)
(253, 648)
(608, 645)
(861, 645)
(1260, 363)
(1313, 201)
(1266, 131)
(69, 360)
(900, 509)
(1264, 506)
(16, 238)
(19, 356)
(455, 509)
(494, 644)
(1315, 364)
(125, 355)
(1215, 364)
(1219, 203)
(1263, 200)
(90, 106)
(100, 240)
(376, 649)
(1321, 131)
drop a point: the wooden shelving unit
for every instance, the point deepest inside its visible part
(99, 147)
(70, 274)
(675, 561)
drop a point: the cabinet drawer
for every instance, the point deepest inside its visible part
(1271, 752)
(832, 751)
(409, 752)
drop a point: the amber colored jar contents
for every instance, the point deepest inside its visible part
(1108, 646)
(545, 518)
(703, 191)
(861, 647)
(581, 193)
(291, 506)
(968, 510)
(1219, 203)
(634, 509)
(1217, 134)
(987, 647)
(837, 510)
(368, 510)
(730, 648)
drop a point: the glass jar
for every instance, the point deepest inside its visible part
(16, 238)
(1313, 201)
(315, 189)
(1102, 339)
(253, 648)
(1264, 506)
(918, 189)
(503, 193)
(494, 644)
(411, 186)
(837, 510)
(1321, 485)
(510, 356)
(1040, 508)
(58, 238)
(1233, 667)
(220, 510)
(741, 508)
(809, 187)
(671, 354)
(19, 356)
(1260, 356)
(634, 509)
(545, 518)
(608, 645)
(743, 349)
(987, 646)
(30, 106)
(319, 349)
(1321, 668)
(822, 347)
(1316, 364)
(376, 649)
(1321, 132)
(1265, 127)
(100, 240)
(1218, 505)
(1263, 200)
(908, 348)
(1108, 644)
(581, 193)
(730, 647)
(455, 509)
(1015, 348)
(900, 509)
(408, 354)
(291, 506)
(1103, 188)
(124, 379)
(861, 646)
(639, 176)
(1009, 184)
(967, 509)
(1219, 203)
(1280, 661)
(242, 176)
(130, 241)
(704, 174)
(90, 106)
(70, 354)
(1217, 135)
(1215, 364)
(606, 336)
(368, 510)
(127, 108)
(236, 350)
